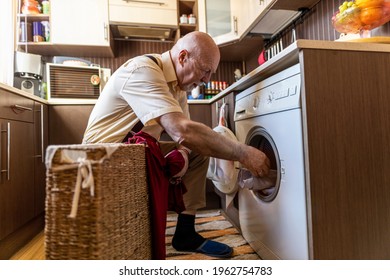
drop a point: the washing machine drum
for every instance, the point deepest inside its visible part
(222, 172)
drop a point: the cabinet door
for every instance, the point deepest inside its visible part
(254, 10)
(17, 175)
(221, 19)
(68, 123)
(75, 22)
(145, 12)
(41, 139)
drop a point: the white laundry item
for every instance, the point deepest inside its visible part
(248, 181)
(222, 172)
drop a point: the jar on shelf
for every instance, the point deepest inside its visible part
(183, 18)
(191, 19)
(45, 7)
(25, 32)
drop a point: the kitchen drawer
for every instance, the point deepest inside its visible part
(158, 12)
(16, 107)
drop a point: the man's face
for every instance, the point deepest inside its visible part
(195, 72)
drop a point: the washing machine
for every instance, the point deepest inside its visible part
(268, 117)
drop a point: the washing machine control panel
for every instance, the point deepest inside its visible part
(277, 93)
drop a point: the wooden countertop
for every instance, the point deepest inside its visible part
(288, 57)
(63, 101)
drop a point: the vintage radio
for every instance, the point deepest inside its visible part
(76, 82)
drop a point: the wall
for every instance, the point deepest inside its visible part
(125, 50)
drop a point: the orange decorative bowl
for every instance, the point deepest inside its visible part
(363, 15)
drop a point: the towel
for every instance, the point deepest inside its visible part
(165, 194)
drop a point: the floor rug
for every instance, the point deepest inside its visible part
(211, 224)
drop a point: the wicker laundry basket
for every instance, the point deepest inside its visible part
(97, 203)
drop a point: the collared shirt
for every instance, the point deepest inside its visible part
(139, 90)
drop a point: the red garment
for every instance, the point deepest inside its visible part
(164, 195)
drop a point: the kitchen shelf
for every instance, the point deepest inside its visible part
(187, 28)
(31, 18)
(187, 7)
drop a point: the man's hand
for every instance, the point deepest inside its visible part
(177, 162)
(256, 162)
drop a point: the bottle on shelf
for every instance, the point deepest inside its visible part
(45, 7)
(214, 87)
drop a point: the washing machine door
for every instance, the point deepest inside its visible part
(222, 172)
(259, 138)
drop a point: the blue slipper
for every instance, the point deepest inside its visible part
(215, 249)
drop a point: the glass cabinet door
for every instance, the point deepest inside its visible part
(221, 19)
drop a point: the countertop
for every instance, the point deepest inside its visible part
(58, 101)
(288, 57)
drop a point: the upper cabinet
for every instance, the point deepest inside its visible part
(84, 23)
(228, 21)
(72, 27)
(220, 19)
(147, 12)
(143, 19)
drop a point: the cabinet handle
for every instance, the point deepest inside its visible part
(8, 131)
(42, 155)
(261, 2)
(235, 25)
(22, 108)
(105, 31)
(42, 136)
(145, 2)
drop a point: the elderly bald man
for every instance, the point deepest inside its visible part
(153, 89)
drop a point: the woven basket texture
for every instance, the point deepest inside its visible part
(115, 222)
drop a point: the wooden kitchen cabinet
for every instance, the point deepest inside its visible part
(41, 141)
(229, 21)
(17, 184)
(77, 28)
(68, 123)
(80, 22)
(22, 182)
(220, 19)
(17, 162)
(146, 12)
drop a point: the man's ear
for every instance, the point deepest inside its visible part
(183, 56)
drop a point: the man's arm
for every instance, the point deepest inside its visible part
(202, 139)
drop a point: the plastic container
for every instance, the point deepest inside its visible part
(191, 19)
(184, 19)
(46, 7)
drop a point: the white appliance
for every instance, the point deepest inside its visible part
(28, 72)
(268, 117)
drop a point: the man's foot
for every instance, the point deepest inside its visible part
(208, 247)
(187, 239)
(215, 249)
